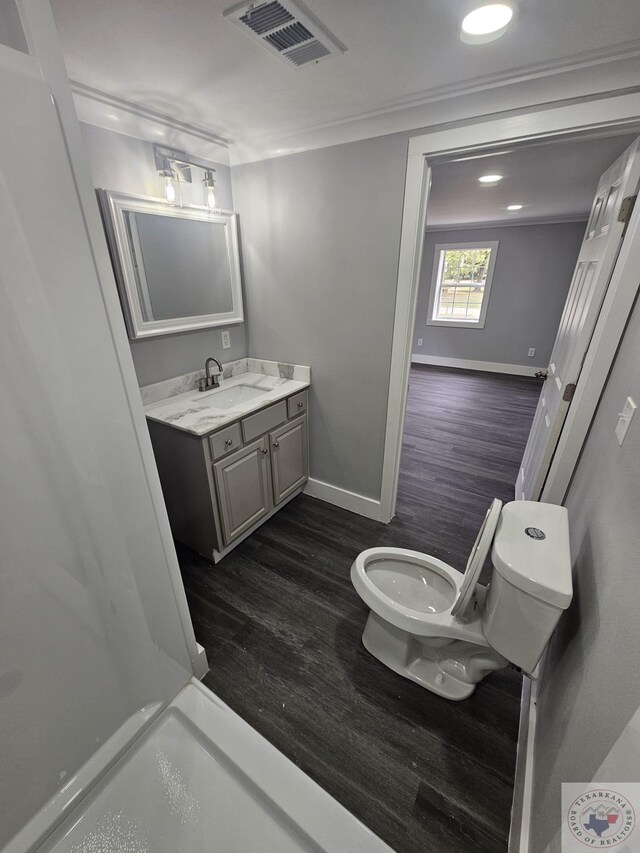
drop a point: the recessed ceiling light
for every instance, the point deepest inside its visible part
(490, 179)
(486, 23)
(514, 207)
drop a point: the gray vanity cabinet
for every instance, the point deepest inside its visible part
(243, 486)
(220, 487)
(289, 459)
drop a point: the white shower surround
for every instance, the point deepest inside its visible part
(200, 776)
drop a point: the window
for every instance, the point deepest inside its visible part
(460, 284)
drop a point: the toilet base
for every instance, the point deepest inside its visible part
(451, 668)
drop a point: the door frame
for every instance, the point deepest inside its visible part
(580, 119)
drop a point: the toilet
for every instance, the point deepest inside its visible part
(446, 631)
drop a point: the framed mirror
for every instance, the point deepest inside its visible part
(178, 268)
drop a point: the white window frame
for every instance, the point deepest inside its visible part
(435, 287)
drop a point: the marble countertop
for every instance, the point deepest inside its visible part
(193, 412)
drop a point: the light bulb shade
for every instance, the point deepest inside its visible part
(169, 189)
(209, 190)
(167, 175)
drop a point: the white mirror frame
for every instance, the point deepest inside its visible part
(114, 206)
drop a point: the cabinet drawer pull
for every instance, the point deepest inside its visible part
(297, 404)
(276, 444)
(264, 451)
(226, 441)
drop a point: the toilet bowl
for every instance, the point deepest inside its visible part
(443, 629)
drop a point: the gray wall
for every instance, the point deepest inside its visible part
(590, 687)
(125, 164)
(11, 31)
(533, 271)
(321, 237)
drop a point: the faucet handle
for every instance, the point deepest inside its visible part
(202, 384)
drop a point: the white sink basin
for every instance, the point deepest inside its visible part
(230, 397)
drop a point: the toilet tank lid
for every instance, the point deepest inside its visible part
(531, 550)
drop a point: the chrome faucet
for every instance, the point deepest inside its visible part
(209, 381)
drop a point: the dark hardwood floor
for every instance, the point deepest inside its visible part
(282, 624)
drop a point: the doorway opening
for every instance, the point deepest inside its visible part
(493, 272)
(464, 435)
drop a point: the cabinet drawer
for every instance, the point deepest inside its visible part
(297, 405)
(263, 421)
(223, 442)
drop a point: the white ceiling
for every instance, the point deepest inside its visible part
(182, 59)
(556, 180)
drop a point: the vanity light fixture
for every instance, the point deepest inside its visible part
(490, 179)
(175, 168)
(210, 189)
(514, 207)
(486, 23)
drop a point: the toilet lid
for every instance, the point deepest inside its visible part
(477, 557)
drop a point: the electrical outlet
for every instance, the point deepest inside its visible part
(532, 352)
(226, 340)
(419, 342)
(624, 419)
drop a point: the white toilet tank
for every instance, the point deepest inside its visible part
(531, 580)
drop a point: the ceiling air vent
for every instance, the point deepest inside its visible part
(287, 29)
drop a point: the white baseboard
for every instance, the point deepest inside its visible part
(523, 783)
(343, 498)
(469, 364)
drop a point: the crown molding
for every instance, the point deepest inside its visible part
(140, 111)
(583, 78)
(403, 113)
(575, 62)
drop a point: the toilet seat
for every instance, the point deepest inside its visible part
(477, 558)
(409, 618)
(422, 595)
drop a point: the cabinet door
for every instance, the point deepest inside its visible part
(289, 460)
(242, 482)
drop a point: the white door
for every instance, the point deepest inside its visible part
(591, 276)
